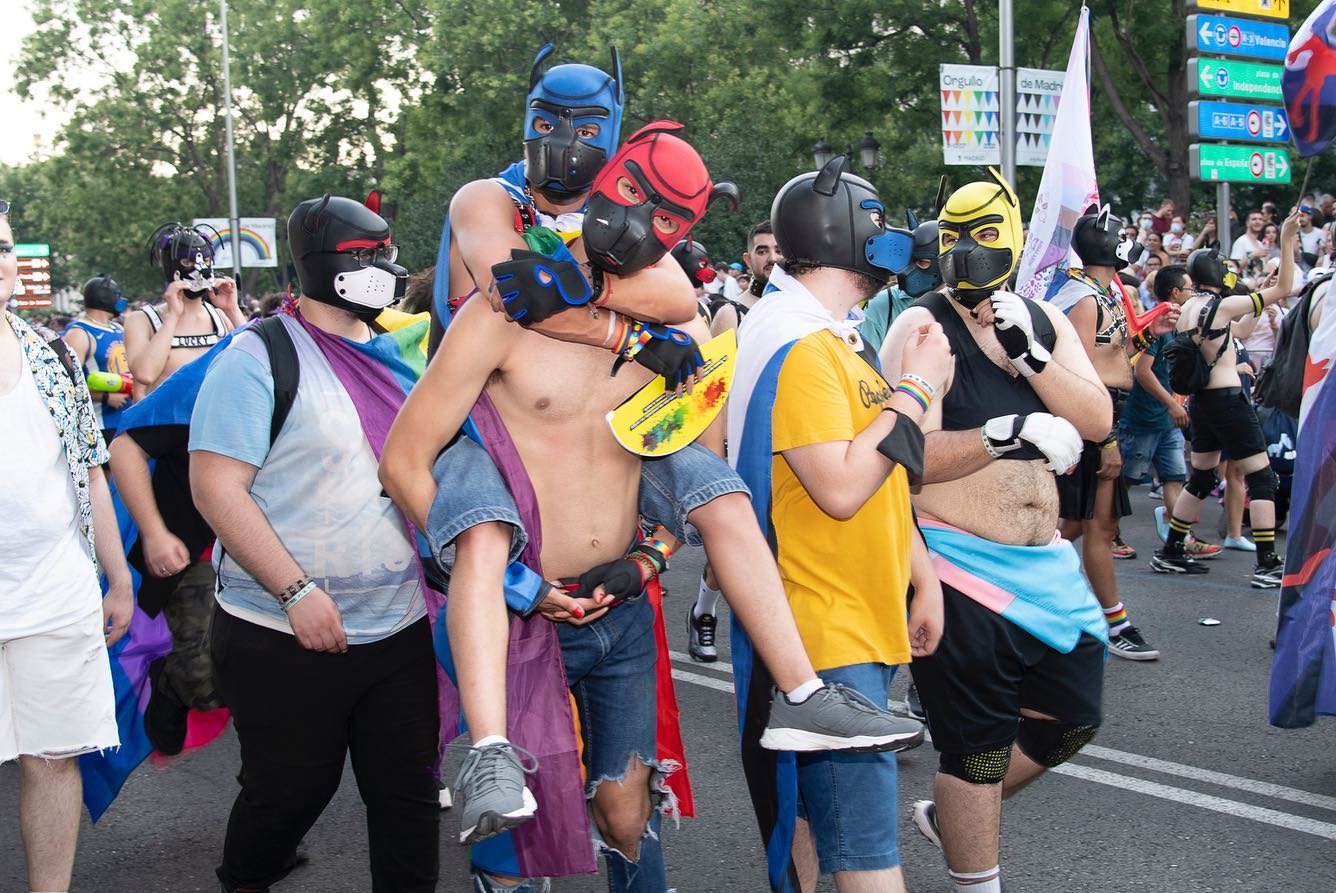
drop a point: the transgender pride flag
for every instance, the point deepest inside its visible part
(1069, 185)
(1303, 672)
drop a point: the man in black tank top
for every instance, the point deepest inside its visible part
(1015, 686)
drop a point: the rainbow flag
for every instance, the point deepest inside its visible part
(1069, 185)
(1303, 671)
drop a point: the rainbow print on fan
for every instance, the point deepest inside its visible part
(653, 422)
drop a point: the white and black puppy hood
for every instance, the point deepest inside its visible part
(1098, 240)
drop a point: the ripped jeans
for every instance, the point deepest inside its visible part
(610, 669)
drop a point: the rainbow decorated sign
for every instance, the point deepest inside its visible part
(257, 236)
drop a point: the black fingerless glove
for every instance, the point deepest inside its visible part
(626, 578)
(664, 351)
(534, 286)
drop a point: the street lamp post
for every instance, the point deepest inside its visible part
(867, 151)
(822, 153)
(233, 223)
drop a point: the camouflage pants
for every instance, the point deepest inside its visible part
(188, 670)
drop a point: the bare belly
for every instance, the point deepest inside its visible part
(1112, 365)
(1013, 502)
(553, 399)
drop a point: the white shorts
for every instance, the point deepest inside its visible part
(56, 695)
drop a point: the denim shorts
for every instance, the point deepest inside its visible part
(471, 491)
(849, 799)
(1162, 449)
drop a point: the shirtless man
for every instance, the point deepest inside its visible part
(1221, 415)
(482, 237)
(1093, 497)
(1015, 685)
(196, 310)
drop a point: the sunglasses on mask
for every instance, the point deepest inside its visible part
(367, 256)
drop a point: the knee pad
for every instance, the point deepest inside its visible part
(987, 767)
(1201, 482)
(1051, 743)
(1262, 484)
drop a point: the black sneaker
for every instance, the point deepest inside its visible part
(1166, 562)
(165, 717)
(1268, 573)
(700, 637)
(913, 706)
(1132, 645)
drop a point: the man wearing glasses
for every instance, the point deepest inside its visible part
(320, 640)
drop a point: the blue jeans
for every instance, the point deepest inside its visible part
(849, 799)
(471, 491)
(1161, 449)
(610, 669)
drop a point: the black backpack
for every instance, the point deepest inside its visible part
(1281, 385)
(1188, 370)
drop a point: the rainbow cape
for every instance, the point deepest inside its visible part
(539, 714)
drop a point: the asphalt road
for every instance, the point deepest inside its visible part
(1186, 787)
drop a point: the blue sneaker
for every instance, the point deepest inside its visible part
(1161, 523)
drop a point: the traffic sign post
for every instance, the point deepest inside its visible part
(1225, 36)
(1267, 9)
(1239, 164)
(1237, 121)
(1229, 78)
(34, 259)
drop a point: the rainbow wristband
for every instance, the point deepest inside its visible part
(920, 396)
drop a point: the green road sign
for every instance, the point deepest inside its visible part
(1234, 78)
(32, 249)
(1271, 9)
(1238, 164)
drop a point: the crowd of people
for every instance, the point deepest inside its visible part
(361, 522)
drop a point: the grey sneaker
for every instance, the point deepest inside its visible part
(836, 718)
(925, 820)
(491, 793)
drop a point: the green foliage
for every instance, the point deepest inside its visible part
(417, 97)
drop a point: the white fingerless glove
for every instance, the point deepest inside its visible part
(1055, 437)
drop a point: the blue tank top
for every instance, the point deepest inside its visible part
(107, 355)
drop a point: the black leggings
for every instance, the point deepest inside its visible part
(298, 713)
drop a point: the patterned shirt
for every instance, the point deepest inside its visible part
(66, 398)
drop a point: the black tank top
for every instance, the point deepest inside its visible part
(981, 389)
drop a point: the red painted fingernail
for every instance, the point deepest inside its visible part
(578, 611)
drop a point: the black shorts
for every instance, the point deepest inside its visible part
(1224, 419)
(987, 669)
(1076, 491)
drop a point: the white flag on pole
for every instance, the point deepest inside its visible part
(1069, 185)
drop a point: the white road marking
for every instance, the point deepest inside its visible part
(721, 666)
(706, 681)
(1150, 788)
(1203, 801)
(1251, 785)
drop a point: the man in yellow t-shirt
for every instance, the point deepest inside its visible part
(828, 447)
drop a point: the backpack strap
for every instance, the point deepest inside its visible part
(1205, 332)
(284, 368)
(154, 318)
(62, 352)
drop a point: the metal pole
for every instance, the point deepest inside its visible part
(233, 224)
(1222, 219)
(1007, 87)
